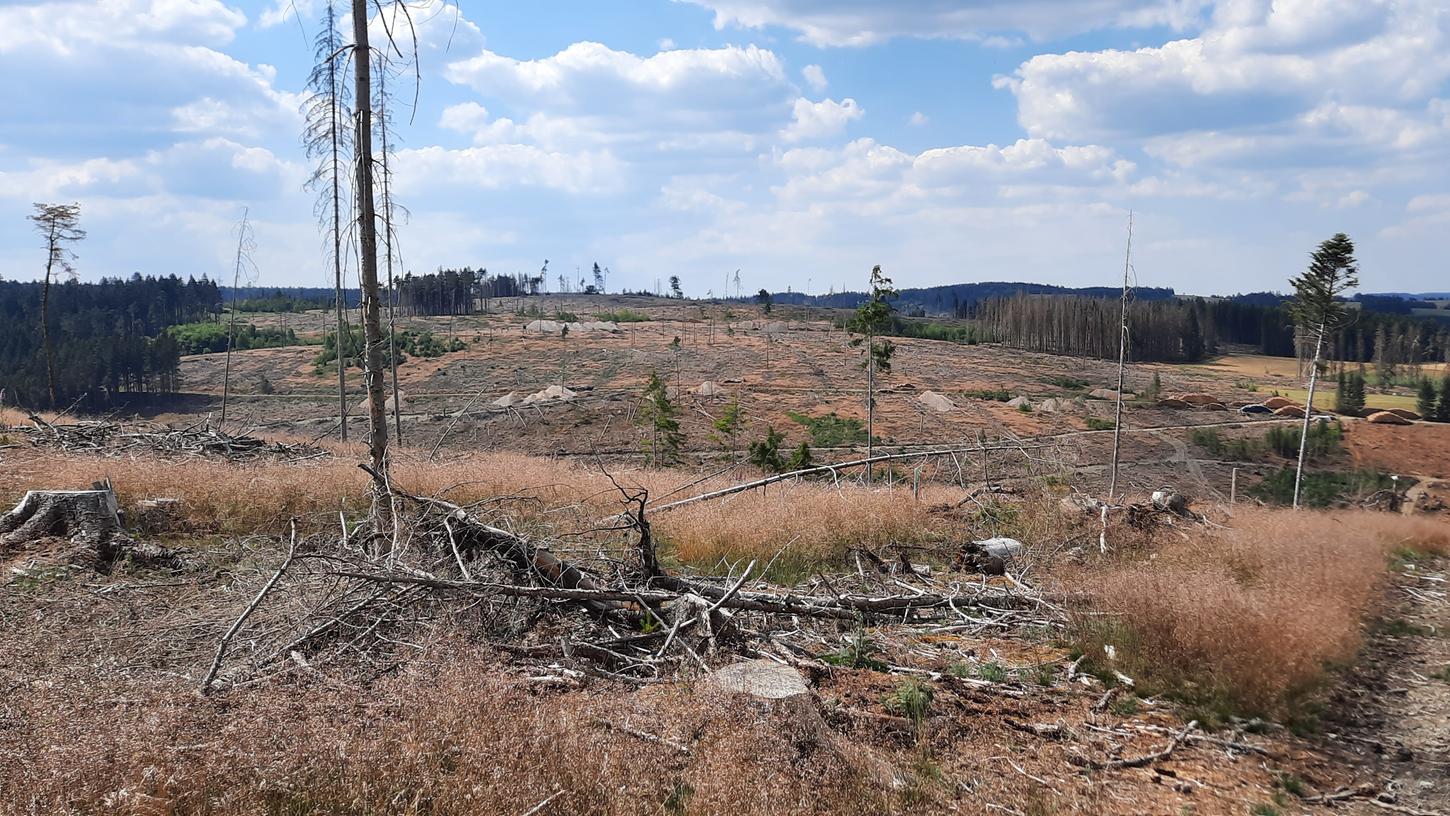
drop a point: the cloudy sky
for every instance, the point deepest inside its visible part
(800, 141)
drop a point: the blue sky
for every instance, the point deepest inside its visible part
(800, 141)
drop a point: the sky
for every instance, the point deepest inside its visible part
(798, 141)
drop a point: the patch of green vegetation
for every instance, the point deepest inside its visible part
(1265, 809)
(996, 394)
(1066, 383)
(210, 338)
(831, 430)
(1325, 439)
(992, 672)
(1236, 449)
(1319, 488)
(1124, 705)
(565, 317)
(912, 700)
(898, 326)
(1100, 424)
(1025, 408)
(678, 802)
(1044, 674)
(1399, 627)
(408, 342)
(857, 651)
(1291, 783)
(623, 316)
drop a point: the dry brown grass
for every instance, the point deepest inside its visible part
(797, 524)
(1246, 619)
(453, 738)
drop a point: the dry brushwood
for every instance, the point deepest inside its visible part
(350, 602)
(113, 439)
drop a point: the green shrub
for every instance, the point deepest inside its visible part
(1324, 440)
(623, 316)
(996, 394)
(1066, 383)
(210, 338)
(1100, 424)
(831, 430)
(857, 652)
(912, 700)
(1319, 488)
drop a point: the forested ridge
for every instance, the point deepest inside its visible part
(1189, 329)
(110, 337)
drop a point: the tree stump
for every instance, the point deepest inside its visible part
(83, 516)
(90, 519)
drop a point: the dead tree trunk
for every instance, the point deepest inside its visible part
(368, 255)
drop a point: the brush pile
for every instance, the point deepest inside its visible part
(372, 598)
(108, 438)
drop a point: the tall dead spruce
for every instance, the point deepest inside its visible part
(367, 231)
(328, 142)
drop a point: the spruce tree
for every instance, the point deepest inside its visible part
(1425, 399)
(661, 417)
(1442, 408)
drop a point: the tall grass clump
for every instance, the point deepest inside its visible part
(1247, 619)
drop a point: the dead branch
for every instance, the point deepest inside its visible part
(1135, 762)
(221, 647)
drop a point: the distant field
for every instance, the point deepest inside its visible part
(1324, 398)
(1258, 366)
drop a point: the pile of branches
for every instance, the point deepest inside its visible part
(110, 438)
(378, 595)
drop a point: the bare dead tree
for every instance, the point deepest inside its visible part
(384, 125)
(60, 225)
(368, 256)
(246, 242)
(327, 141)
(1122, 361)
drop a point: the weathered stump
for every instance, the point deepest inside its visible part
(83, 516)
(90, 519)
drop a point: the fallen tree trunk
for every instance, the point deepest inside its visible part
(847, 607)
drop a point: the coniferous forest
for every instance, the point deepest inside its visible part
(109, 337)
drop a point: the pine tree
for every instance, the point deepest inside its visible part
(1356, 391)
(872, 319)
(1317, 310)
(1425, 399)
(727, 426)
(765, 453)
(801, 459)
(59, 224)
(1442, 408)
(661, 417)
(1341, 394)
